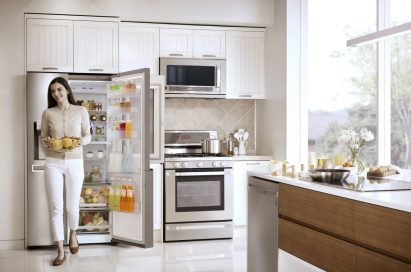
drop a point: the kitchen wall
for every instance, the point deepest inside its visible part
(279, 117)
(222, 115)
(12, 75)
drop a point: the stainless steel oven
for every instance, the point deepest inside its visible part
(198, 189)
(194, 77)
(198, 202)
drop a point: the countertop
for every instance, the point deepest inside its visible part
(399, 200)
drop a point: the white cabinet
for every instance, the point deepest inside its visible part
(245, 64)
(208, 44)
(49, 45)
(192, 43)
(139, 48)
(95, 47)
(240, 169)
(175, 42)
(158, 194)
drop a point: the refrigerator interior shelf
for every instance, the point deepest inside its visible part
(99, 142)
(92, 227)
(112, 95)
(89, 91)
(92, 205)
(101, 183)
(119, 110)
(85, 159)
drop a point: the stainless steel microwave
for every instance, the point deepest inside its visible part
(202, 78)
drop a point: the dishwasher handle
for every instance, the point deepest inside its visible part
(262, 191)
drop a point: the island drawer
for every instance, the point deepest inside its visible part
(385, 229)
(317, 210)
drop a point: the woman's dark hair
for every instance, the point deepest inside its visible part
(62, 81)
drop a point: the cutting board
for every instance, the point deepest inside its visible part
(380, 175)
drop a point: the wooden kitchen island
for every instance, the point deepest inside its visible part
(341, 230)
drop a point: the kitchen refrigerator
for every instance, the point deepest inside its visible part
(116, 162)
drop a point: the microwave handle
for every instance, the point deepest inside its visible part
(218, 75)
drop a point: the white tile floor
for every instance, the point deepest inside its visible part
(220, 255)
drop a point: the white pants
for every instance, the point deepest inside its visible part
(73, 171)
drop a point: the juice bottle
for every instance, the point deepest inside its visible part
(128, 129)
(123, 197)
(130, 196)
(111, 195)
(117, 194)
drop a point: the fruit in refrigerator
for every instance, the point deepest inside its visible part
(86, 219)
(94, 199)
(88, 191)
(82, 200)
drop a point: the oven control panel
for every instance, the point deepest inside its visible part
(198, 164)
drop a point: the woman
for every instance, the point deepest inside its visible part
(64, 119)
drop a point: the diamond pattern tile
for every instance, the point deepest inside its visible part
(224, 115)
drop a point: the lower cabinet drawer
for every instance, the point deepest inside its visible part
(321, 250)
(332, 254)
(323, 211)
(388, 230)
(369, 261)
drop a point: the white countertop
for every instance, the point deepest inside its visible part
(399, 200)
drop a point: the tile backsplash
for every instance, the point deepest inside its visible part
(223, 115)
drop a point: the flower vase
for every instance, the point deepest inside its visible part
(355, 159)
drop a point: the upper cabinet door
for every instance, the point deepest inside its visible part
(49, 45)
(96, 47)
(176, 43)
(139, 48)
(209, 44)
(245, 65)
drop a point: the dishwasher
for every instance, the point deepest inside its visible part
(262, 233)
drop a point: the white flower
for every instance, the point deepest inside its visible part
(366, 135)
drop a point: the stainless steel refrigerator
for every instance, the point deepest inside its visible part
(117, 158)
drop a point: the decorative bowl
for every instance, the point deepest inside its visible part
(331, 176)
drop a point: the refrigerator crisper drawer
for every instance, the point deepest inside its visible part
(94, 221)
(94, 196)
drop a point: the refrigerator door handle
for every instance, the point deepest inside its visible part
(37, 168)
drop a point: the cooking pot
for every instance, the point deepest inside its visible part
(212, 146)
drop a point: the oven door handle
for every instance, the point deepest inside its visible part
(185, 174)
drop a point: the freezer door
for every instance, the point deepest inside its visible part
(38, 231)
(129, 155)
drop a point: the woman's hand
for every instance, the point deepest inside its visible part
(79, 142)
(47, 141)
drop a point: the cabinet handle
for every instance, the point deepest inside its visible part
(262, 191)
(50, 68)
(209, 56)
(245, 95)
(253, 163)
(96, 70)
(176, 55)
(37, 168)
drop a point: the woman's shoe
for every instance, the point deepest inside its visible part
(57, 261)
(74, 250)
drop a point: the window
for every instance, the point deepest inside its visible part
(342, 81)
(400, 63)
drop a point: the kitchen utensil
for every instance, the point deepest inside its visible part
(246, 134)
(241, 147)
(237, 136)
(212, 146)
(331, 176)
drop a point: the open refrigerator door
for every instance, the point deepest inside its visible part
(131, 180)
